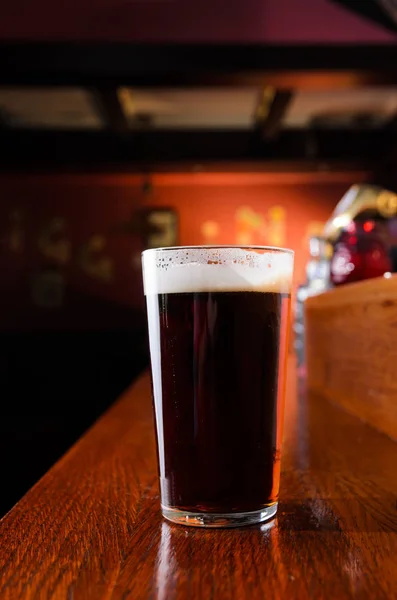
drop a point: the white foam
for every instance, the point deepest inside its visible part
(182, 270)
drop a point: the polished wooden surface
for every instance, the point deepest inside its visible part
(352, 350)
(91, 528)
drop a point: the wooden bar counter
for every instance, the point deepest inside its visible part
(91, 528)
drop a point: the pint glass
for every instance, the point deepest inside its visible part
(218, 322)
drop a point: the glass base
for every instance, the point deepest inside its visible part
(201, 519)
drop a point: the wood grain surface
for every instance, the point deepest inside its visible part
(91, 528)
(351, 347)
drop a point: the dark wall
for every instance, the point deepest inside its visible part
(72, 320)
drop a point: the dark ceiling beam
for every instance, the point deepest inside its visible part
(107, 148)
(4, 119)
(391, 123)
(388, 152)
(373, 10)
(285, 66)
(270, 123)
(262, 108)
(111, 110)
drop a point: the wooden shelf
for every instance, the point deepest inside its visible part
(351, 349)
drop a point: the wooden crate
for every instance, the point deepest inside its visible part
(351, 349)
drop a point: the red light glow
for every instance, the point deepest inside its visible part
(368, 226)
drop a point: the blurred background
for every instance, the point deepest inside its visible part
(135, 124)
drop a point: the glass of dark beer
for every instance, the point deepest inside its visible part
(218, 331)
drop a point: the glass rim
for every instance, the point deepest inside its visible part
(273, 249)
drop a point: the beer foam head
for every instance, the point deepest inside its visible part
(217, 269)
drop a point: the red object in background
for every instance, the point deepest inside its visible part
(376, 260)
(368, 226)
(346, 264)
(360, 256)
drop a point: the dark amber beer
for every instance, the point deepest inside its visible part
(218, 320)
